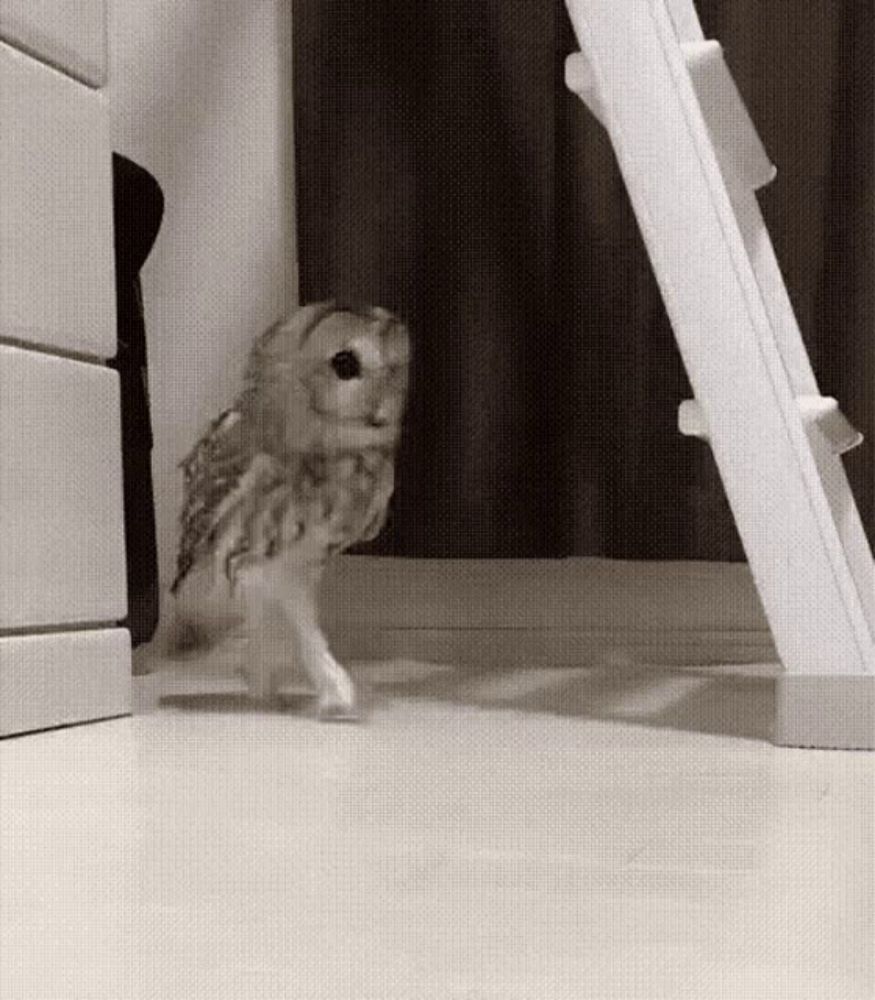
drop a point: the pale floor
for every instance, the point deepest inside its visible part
(547, 834)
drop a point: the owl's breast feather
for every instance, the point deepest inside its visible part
(323, 503)
(357, 435)
(348, 483)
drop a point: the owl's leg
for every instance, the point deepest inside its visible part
(335, 689)
(260, 671)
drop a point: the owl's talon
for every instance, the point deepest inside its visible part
(332, 710)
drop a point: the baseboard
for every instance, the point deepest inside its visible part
(573, 611)
(486, 647)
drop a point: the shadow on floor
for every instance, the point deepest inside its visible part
(235, 703)
(702, 701)
(737, 702)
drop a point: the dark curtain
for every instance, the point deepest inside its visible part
(443, 171)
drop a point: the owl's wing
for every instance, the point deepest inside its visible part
(378, 511)
(223, 473)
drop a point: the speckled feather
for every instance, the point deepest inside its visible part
(301, 454)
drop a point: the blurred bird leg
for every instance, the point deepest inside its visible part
(261, 667)
(337, 696)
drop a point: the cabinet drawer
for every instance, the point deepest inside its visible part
(57, 265)
(61, 513)
(63, 678)
(69, 34)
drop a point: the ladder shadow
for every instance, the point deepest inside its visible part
(719, 702)
(732, 701)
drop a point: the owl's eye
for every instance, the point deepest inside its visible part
(346, 365)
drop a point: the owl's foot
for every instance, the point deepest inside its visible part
(261, 684)
(338, 700)
(335, 712)
(332, 710)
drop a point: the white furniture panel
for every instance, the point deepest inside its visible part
(61, 508)
(69, 34)
(62, 678)
(57, 264)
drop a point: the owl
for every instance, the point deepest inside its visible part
(299, 468)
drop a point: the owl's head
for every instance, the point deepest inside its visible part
(340, 374)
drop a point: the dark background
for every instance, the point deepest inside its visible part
(445, 172)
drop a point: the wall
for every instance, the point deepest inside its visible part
(201, 97)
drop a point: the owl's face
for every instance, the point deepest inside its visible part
(358, 368)
(352, 367)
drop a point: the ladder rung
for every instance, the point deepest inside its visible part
(742, 157)
(580, 80)
(740, 152)
(822, 411)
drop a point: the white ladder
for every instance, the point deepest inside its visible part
(692, 162)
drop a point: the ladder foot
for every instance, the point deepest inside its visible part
(826, 711)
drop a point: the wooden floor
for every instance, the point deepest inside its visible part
(547, 833)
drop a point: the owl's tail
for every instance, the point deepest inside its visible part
(196, 620)
(185, 638)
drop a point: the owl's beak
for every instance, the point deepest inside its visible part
(382, 415)
(359, 434)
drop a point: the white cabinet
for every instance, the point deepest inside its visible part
(56, 248)
(61, 513)
(69, 34)
(62, 678)
(62, 561)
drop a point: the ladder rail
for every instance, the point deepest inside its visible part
(805, 538)
(790, 343)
